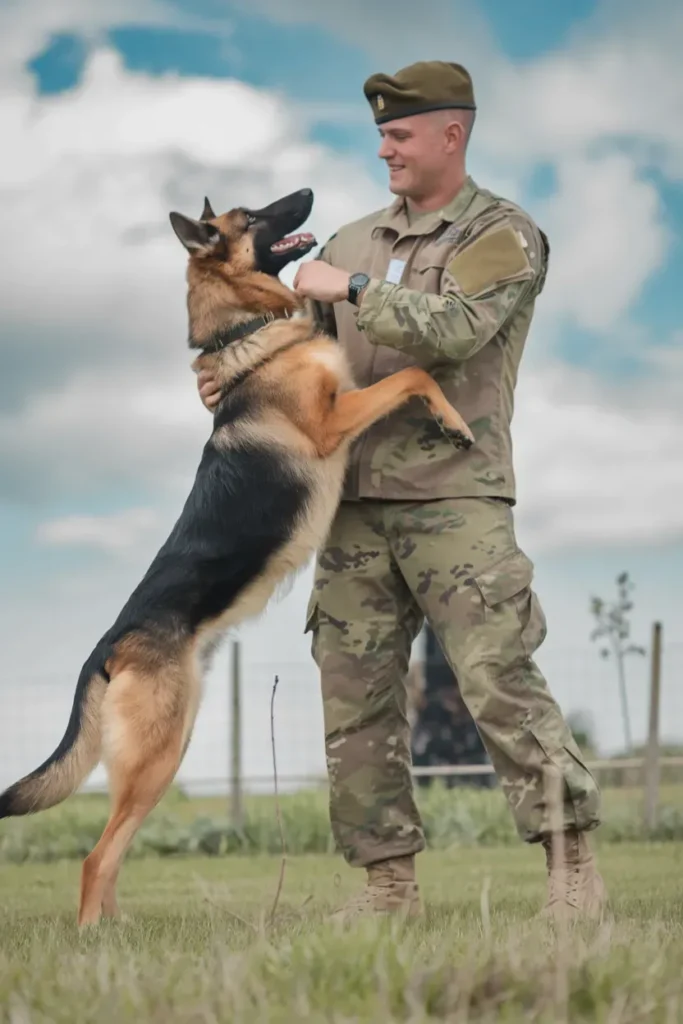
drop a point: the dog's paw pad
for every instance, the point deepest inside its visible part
(457, 437)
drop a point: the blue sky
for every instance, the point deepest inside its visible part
(260, 51)
(526, 29)
(104, 139)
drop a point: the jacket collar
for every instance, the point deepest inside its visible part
(394, 216)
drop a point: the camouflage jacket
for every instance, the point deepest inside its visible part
(454, 294)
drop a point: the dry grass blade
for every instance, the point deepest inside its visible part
(209, 897)
(278, 811)
(485, 907)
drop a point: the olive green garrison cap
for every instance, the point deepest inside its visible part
(427, 85)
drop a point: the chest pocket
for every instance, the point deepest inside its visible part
(433, 256)
(426, 269)
(423, 272)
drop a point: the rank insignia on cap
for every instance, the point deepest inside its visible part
(380, 102)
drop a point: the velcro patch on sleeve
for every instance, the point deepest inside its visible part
(496, 256)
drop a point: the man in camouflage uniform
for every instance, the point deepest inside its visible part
(451, 273)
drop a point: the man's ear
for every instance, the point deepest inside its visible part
(199, 239)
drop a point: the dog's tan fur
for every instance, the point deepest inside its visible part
(308, 411)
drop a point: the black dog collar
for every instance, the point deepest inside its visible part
(220, 339)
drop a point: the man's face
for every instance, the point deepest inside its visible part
(419, 151)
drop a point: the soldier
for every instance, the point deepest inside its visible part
(446, 277)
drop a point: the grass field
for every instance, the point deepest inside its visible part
(197, 946)
(181, 825)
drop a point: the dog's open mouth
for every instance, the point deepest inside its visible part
(290, 242)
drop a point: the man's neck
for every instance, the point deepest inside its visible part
(428, 204)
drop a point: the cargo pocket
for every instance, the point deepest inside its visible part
(509, 580)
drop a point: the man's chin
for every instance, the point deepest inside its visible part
(399, 187)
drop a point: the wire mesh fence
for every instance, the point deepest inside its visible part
(35, 710)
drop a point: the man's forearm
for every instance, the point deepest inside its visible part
(429, 326)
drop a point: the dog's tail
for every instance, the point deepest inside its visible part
(73, 760)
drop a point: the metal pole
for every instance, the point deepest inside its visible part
(236, 740)
(652, 753)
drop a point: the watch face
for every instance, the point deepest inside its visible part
(356, 284)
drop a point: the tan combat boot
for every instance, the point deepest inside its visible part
(390, 889)
(575, 887)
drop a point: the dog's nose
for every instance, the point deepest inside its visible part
(306, 192)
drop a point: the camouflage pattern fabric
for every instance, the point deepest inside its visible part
(454, 292)
(455, 561)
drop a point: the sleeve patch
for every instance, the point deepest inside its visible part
(496, 256)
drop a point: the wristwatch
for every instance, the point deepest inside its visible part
(357, 282)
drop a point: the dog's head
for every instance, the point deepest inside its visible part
(245, 241)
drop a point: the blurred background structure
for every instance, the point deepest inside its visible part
(230, 753)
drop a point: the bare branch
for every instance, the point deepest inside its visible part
(277, 803)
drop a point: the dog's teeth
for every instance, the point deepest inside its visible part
(293, 242)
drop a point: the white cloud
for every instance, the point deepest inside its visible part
(113, 533)
(608, 237)
(602, 111)
(96, 282)
(28, 25)
(395, 34)
(105, 398)
(586, 97)
(100, 167)
(618, 73)
(134, 428)
(598, 465)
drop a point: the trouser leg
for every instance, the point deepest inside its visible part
(364, 619)
(460, 559)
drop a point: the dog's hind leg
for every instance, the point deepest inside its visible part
(110, 907)
(145, 733)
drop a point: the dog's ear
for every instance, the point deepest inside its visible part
(207, 213)
(199, 239)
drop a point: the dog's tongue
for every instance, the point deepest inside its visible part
(291, 242)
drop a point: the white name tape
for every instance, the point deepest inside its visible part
(395, 271)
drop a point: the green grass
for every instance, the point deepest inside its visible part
(197, 947)
(462, 817)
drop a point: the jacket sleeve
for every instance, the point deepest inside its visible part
(323, 312)
(482, 285)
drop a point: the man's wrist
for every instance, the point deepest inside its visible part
(357, 284)
(359, 297)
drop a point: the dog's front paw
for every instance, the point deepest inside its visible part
(457, 437)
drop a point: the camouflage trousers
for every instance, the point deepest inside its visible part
(385, 568)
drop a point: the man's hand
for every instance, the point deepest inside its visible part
(318, 280)
(209, 390)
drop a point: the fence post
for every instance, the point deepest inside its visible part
(652, 752)
(236, 739)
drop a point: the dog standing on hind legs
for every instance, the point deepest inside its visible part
(266, 490)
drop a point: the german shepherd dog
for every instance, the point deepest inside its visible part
(267, 487)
